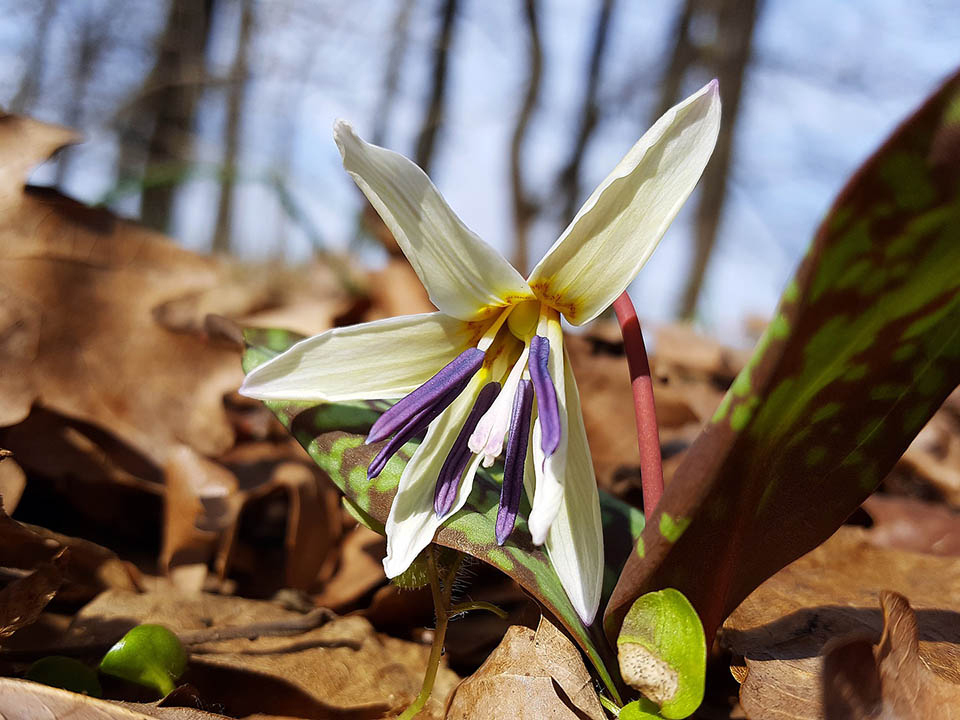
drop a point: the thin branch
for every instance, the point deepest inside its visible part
(391, 79)
(438, 92)
(524, 206)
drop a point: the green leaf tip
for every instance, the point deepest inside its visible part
(65, 673)
(641, 709)
(663, 653)
(148, 655)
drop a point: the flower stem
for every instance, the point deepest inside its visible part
(648, 436)
(441, 603)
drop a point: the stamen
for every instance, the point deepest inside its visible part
(514, 463)
(547, 409)
(414, 426)
(458, 371)
(449, 479)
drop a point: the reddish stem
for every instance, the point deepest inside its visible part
(648, 436)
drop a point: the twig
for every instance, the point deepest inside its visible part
(648, 436)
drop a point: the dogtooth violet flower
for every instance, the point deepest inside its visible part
(487, 376)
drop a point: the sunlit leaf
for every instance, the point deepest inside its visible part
(663, 652)
(334, 436)
(862, 350)
(148, 655)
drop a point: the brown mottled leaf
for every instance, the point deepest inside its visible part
(22, 601)
(531, 675)
(863, 349)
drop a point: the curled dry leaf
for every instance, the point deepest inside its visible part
(889, 680)
(831, 593)
(531, 675)
(12, 481)
(22, 601)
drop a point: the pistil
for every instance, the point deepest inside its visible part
(515, 461)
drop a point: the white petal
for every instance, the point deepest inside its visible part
(550, 472)
(575, 540)
(462, 274)
(621, 223)
(382, 359)
(412, 522)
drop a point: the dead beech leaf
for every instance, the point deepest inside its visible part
(908, 524)
(22, 601)
(25, 700)
(339, 668)
(360, 570)
(531, 675)
(830, 593)
(77, 292)
(12, 482)
(890, 680)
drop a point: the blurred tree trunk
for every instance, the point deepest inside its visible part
(395, 56)
(167, 102)
(33, 73)
(569, 181)
(727, 57)
(525, 205)
(433, 119)
(236, 95)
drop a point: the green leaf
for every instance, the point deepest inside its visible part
(148, 655)
(862, 350)
(65, 673)
(663, 652)
(641, 709)
(334, 436)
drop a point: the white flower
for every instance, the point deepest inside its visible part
(490, 364)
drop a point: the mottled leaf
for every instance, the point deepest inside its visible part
(334, 436)
(863, 349)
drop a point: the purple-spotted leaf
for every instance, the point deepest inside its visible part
(863, 349)
(334, 436)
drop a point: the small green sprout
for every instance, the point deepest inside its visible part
(65, 673)
(148, 655)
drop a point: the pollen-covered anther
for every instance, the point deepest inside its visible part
(431, 394)
(514, 463)
(547, 409)
(456, 462)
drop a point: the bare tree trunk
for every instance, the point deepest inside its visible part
(31, 76)
(736, 20)
(524, 206)
(170, 99)
(438, 92)
(682, 58)
(569, 181)
(398, 48)
(235, 102)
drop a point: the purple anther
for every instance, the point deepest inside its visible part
(414, 426)
(547, 409)
(449, 479)
(514, 462)
(454, 373)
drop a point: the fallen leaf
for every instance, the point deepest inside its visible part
(338, 668)
(890, 680)
(12, 482)
(908, 524)
(22, 601)
(360, 570)
(531, 675)
(832, 592)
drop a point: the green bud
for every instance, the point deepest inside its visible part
(148, 655)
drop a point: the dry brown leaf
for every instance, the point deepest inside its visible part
(530, 676)
(908, 524)
(339, 668)
(12, 482)
(360, 570)
(25, 700)
(889, 680)
(933, 457)
(77, 296)
(832, 592)
(22, 601)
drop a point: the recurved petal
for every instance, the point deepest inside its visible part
(412, 521)
(575, 540)
(621, 223)
(462, 274)
(381, 359)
